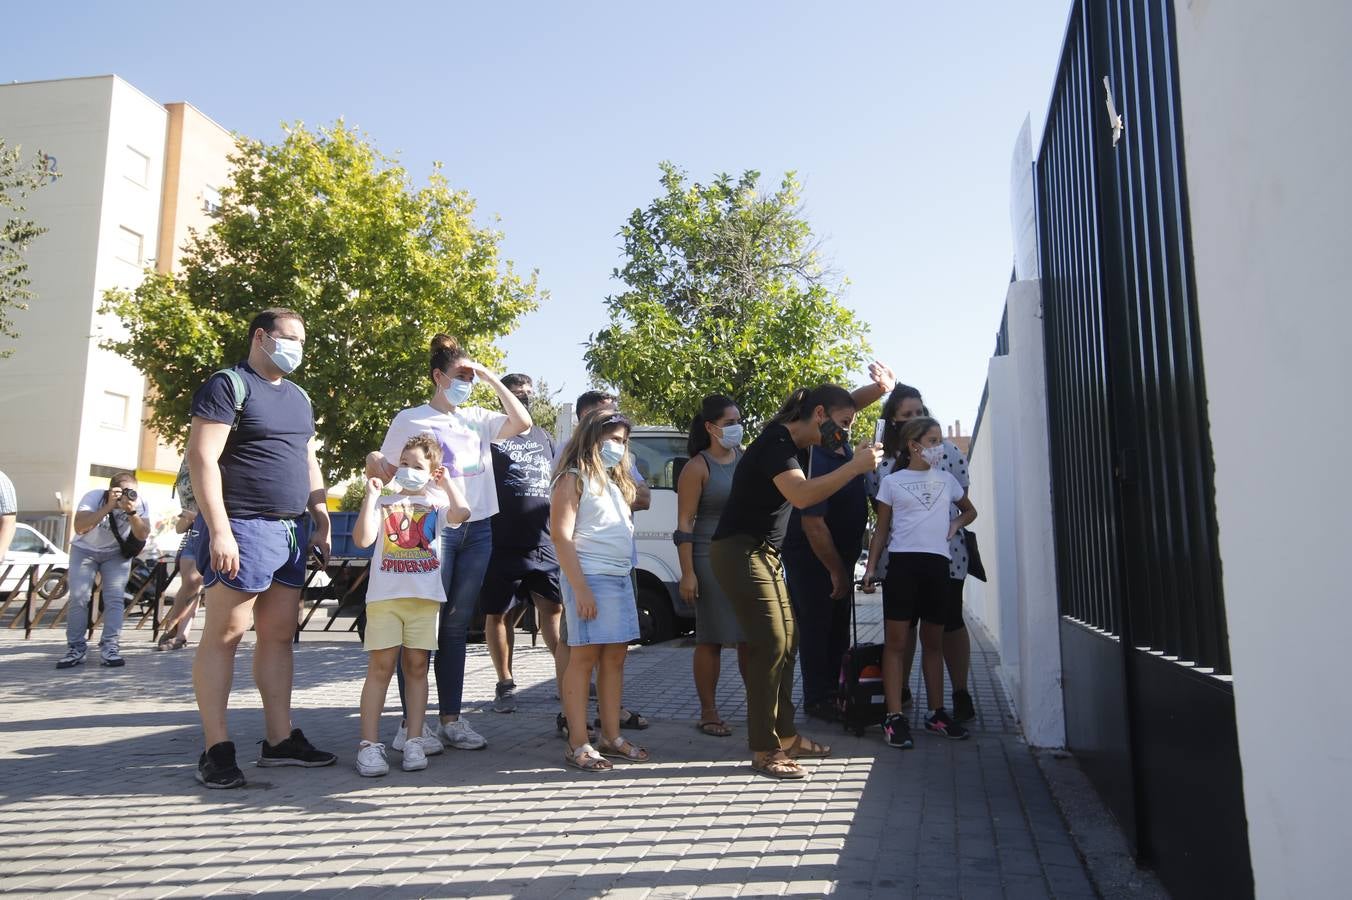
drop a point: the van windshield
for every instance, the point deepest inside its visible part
(656, 456)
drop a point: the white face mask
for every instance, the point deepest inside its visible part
(933, 455)
(411, 480)
(731, 436)
(611, 454)
(288, 354)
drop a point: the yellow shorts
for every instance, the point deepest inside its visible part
(406, 622)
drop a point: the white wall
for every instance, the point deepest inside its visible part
(1011, 489)
(1269, 166)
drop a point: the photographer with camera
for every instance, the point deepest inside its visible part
(111, 527)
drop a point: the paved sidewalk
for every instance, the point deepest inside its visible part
(97, 797)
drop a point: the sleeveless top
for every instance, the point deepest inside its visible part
(604, 531)
(712, 500)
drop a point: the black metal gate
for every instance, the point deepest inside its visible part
(1149, 701)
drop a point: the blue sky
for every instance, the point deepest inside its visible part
(899, 117)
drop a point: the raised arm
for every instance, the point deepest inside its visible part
(366, 529)
(803, 492)
(518, 417)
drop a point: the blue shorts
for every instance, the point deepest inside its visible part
(269, 550)
(616, 619)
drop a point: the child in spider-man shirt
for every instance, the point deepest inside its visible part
(404, 593)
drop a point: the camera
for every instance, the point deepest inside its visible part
(128, 493)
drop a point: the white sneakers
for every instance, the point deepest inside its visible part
(371, 760)
(372, 763)
(461, 736)
(431, 746)
(415, 759)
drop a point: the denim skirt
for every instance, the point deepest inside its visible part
(616, 619)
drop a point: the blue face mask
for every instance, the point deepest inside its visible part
(458, 392)
(288, 354)
(611, 454)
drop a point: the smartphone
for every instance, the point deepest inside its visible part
(878, 431)
(318, 554)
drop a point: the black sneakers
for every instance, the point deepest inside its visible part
(72, 659)
(897, 732)
(963, 710)
(940, 723)
(294, 751)
(216, 768)
(504, 699)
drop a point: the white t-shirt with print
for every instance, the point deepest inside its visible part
(406, 559)
(466, 437)
(955, 464)
(919, 502)
(100, 537)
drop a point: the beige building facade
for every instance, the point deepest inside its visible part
(133, 177)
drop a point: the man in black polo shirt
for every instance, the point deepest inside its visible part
(251, 454)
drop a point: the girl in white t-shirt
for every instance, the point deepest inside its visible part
(465, 434)
(914, 526)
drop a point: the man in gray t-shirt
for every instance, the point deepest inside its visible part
(110, 528)
(9, 513)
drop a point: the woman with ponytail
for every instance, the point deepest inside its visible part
(465, 434)
(715, 447)
(768, 483)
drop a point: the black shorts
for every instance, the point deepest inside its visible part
(916, 587)
(952, 607)
(514, 574)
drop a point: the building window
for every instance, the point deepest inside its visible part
(211, 200)
(130, 246)
(113, 411)
(135, 166)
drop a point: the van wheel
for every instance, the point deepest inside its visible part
(654, 616)
(53, 585)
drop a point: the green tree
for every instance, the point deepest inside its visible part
(324, 224)
(724, 292)
(17, 180)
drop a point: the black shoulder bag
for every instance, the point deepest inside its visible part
(131, 546)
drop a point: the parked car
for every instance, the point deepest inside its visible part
(30, 547)
(662, 614)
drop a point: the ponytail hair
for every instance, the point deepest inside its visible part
(446, 352)
(711, 409)
(799, 405)
(912, 430)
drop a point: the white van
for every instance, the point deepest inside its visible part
(662, 614)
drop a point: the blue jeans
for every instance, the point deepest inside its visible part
(465, 552)
(113, 568)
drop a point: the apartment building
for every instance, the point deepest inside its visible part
(133, 177)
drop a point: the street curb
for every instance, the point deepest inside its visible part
(1097, 837)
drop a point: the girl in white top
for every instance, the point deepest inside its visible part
(465, 434)
(593, 534)
(914, 526)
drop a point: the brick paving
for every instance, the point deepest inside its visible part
(97, 796)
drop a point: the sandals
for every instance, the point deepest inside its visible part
(587, 759)
(622, 748)
(630, 719)
(561, 726)
(778, 765)
(715, 728)
(806, 748)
